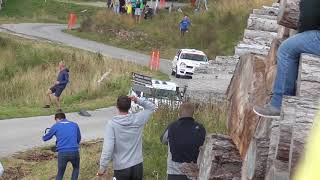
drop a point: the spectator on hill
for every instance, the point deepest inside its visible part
(306, 41)
(129, 8)
(134, 5)
(116, 6)
(138, 11)
(123, 140)
(184, 137)
(59, 86)
(109, 3)
(68, 138)
(184, 25)
(1, 169)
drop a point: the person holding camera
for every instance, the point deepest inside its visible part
(68, 137)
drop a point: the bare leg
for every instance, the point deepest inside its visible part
(48, 94)
(58, 103)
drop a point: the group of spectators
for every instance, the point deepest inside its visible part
(123, 141)
(136, 8)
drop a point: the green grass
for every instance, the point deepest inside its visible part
(32, 164)
(28, 68)
(216, 31)
(41, 11)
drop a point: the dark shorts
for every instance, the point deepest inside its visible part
(131, 173)
(176, 177)
(57, 91)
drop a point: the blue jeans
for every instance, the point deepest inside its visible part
(288, 63)
(116, 9)
(63, 159)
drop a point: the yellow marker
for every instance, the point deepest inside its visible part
(309, 169)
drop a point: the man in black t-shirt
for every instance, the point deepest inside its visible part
(184, 137)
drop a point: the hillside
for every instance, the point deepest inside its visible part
(215, 31)
(41, 11)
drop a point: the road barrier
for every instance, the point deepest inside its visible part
(155, 60)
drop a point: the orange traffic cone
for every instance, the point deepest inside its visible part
(155, 60)
(153, 55)
(72, 20)
(157, 63)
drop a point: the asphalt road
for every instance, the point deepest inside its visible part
(25, 133)
(53, 33)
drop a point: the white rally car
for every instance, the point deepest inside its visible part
(186, 60)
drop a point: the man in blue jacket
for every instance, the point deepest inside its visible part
(184, 25)
(68, 138)
(59, 86)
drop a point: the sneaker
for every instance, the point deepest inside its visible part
(46, 106)
(267, 111)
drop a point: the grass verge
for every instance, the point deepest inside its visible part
(29, 68)
(51, 11)
(41, 163)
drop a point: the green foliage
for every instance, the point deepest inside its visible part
(41, 11)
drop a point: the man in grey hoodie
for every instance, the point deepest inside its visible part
(123, 140)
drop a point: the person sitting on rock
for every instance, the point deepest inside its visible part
(306, 41)
(184, 137)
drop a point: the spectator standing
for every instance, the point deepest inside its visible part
(134, 5)
(288, 56)
(184, 25)
(123, 140)
(129, 8)
(138, 11)
(116, 6)
(68, 138)
(58, 87)
(109, 4)
(184, 137)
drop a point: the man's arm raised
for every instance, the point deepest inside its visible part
(148, 106)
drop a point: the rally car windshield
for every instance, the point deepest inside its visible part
(194, 57)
